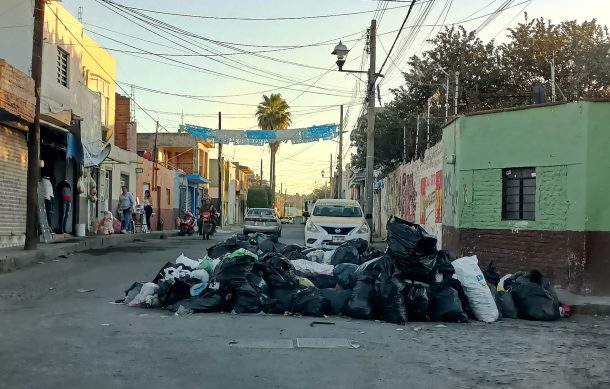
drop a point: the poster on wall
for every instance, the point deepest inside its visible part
(439, 197)
(422, 202)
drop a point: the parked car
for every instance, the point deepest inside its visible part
(262, 220)
(287, 220)
(333, 221)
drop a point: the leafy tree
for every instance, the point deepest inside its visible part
(273, 114)
(490, 77)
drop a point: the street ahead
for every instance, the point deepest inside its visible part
(52, 336)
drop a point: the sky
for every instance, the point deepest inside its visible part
(305, 76)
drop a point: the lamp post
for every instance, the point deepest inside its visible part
(341, 52)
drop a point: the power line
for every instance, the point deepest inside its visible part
(102, 67)
(397, 35)
(254, 19)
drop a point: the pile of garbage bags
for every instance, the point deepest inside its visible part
(410, 281)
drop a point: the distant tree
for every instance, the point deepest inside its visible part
(273, 114)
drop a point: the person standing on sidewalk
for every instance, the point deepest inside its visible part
(126, 204)
(148, 209)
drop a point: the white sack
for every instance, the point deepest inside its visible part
(306, 266)
(471, 277)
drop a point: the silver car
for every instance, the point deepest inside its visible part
(262, 220)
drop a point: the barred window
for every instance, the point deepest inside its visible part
(519, 194)
(63, 66)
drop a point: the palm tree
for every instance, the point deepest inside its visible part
(272, 114)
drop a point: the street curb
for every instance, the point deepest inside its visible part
(14, 260)
(591, 309)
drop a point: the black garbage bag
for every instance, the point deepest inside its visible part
(422, 269)
(361, 304)
(278, 271)
(258, 282)
(268, 243)
(283, 300)
(417, 297)
(345, 254)
(446, 305)
(310, 302)
(359, 244)
(221, 249)
(391, 300)
(132, 292)
(506, 306)
(534, 297)
(491, 275)
(370, 253)
(161, 272)
(407, 240)
(345, 273)
(293, 252)
(170, 292)
(268, 304)
(209, 301)
(443, 263)
(232, 272)
(372, 267)
(246, 299)
(338, 299)
(322, 281)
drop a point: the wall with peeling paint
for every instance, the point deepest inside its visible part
(414, 192)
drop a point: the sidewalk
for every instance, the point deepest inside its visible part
(585, 305)
(14, 258)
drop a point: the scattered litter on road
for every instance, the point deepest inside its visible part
(416, 329)
(313, 323)
(411, 281)
(105, 324)
(51, 288)
(119, 302)
(56, 260)
(85, 290)
(400, 329)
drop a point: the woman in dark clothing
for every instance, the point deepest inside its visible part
(148, 209)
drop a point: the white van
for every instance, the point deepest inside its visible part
(333, 221)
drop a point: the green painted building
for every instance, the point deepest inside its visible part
(529, 188)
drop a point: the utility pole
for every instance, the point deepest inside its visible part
(285, 198)
(330, 179)
(155, 172)
(416, 137)
(31, 222)
(447, 99)
(553, 95)
(340, 156)
(404, 141)
(455, 96)
(428, 125)
(281, 191)
(220, 172)
(370, 135)
(261, 172)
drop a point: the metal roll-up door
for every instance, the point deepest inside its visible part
(13, 186)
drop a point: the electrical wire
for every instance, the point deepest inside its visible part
(254, 19)
(397, 35)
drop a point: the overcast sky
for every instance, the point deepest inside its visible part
(246, 77)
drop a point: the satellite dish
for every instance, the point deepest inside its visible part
(92, 158)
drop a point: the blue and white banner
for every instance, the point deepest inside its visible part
(262, 137)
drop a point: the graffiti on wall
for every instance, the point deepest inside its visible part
(407, 198)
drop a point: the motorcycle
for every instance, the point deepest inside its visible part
(188, 224)
(206, 224)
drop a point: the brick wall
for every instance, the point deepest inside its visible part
(124, 128)
(556, 254)
(16, 92)
(481, 200)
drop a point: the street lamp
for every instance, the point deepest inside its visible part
(341, 52)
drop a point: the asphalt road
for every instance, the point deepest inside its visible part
(52, 336)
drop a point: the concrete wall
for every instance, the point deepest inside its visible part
(567, 144)
(414, 192)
